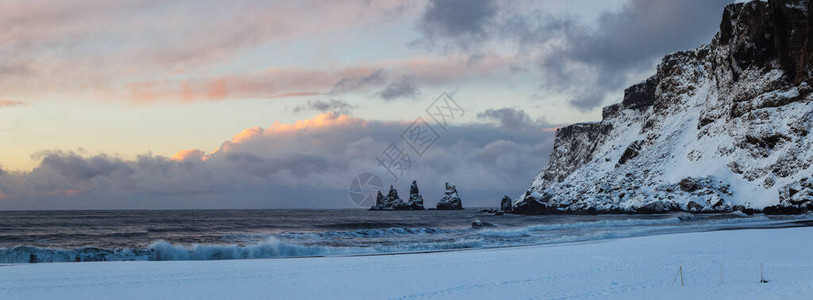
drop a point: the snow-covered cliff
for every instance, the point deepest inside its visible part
(718, 128)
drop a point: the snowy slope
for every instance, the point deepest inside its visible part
(718, 128)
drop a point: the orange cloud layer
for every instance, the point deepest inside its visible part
(11, 103)
(189, 154)
(320, 122)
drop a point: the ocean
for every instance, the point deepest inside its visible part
(80, 236)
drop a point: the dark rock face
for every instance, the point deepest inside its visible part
(506, 204)
(573, 147)
(451, 200)
(689, 185)
(415, 198)
(611, 111)
(760, 33)
(631, 152)
(742, 104)
(640, 95)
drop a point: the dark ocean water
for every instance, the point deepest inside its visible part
(75, 236)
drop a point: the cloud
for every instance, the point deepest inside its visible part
(55, 47)
(358, 82)
(403, 87)
(627, 41)
(464, 21)
(334, 105)
(308, 163)
(11, 103)
(391, 79)
(189, 155)
(269, 83)
(584, 61)
(512, 118)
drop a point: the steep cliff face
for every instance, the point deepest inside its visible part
(721, 127)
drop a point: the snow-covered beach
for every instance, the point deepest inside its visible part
(637, 267)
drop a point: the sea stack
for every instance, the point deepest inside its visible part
(451, 200)
(415, 198)
(393, 202)
(389, 202)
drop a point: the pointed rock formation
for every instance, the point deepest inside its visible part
(393, 202)
(451, 200)
(415, 198)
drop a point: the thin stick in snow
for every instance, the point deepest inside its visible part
(761, 274)
(679, 273)
(676, 276)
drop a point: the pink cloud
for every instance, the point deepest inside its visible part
(297, 82)
(12, 103)
(271, 83)
(147, 46)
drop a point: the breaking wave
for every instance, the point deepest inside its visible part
(376, 240)
(165, 251)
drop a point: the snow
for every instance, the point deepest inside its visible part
(746, 135)
(631, 268)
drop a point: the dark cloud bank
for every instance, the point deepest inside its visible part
(334, 105)
(585, 61)
(288, 166)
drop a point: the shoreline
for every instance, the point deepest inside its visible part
(273, 248)
(634, 267)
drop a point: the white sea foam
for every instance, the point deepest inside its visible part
(384, 240)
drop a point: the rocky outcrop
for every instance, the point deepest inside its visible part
(506, 205)
(476, 223)
(393, 202)
(415, 198)
(719, 128)
(451, 200)
(389, 202)
(794, 198)
(641, 95)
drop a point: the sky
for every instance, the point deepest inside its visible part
(282, 104)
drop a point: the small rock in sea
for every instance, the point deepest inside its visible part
(480, 224)
(506, 204)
